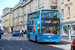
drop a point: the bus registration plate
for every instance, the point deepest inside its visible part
(50, 41)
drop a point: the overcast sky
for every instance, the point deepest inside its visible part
(7, 3)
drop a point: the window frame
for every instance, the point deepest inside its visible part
(68, 12)
(62, 1)
(36, 2)
(68, 0)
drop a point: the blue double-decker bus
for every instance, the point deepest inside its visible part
(44, 25)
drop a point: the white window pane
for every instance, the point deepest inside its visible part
(68, 11)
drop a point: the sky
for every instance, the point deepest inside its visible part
(7, 3)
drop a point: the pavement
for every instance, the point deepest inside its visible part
(64, 40)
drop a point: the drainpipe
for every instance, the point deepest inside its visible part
(30, 6)
(56, 4)
(9, 22)
(38, 4)
(13, 19)
(4, 21)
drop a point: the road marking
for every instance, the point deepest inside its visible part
(8, 38)
(28, 48)
(1, 48)
(21, 49)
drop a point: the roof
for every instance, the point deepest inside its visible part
(43, 9)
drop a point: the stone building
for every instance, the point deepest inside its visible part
(7, 17)
(67, 8)
(21, 10)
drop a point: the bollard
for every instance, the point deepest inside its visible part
(69, 35)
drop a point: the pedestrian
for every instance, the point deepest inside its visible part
(21, 32)
(24, 31)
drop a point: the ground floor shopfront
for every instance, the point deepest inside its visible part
(8, 29)
(65, 30)
(18, 27)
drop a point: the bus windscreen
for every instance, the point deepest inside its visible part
(50, 22)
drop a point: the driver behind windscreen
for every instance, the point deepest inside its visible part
(56, 31)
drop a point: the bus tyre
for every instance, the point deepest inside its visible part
(36, 39)
(29, 37)
(56, 42)
(72, 48)
(0, 36)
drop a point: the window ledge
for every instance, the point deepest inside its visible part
(62, 19)
(74, 16)
(62, 3)
(68, 18)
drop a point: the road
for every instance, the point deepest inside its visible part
(9, 42)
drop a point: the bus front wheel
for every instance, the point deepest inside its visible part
(36, 39)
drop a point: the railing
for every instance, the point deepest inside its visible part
(22, 1)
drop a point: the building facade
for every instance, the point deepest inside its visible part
(21, 10)
(7, 20)
(66, 8)
(67, 16)
(25, 6)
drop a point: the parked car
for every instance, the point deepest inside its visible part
(2, 32)
(73, 45)
(15, 32)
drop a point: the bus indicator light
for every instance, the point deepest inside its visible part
(38, 27)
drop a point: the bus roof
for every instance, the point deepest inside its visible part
(41, 10)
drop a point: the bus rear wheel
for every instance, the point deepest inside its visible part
(29, 37)
(0, 36)
(72, 48)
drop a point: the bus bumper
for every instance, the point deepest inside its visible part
(50, 40)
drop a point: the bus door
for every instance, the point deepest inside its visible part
(38, 30)
(34, 30)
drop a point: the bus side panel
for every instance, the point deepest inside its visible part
(33, 36)
(38, 38)
(39, 25)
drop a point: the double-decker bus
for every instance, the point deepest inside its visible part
(44, 25)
